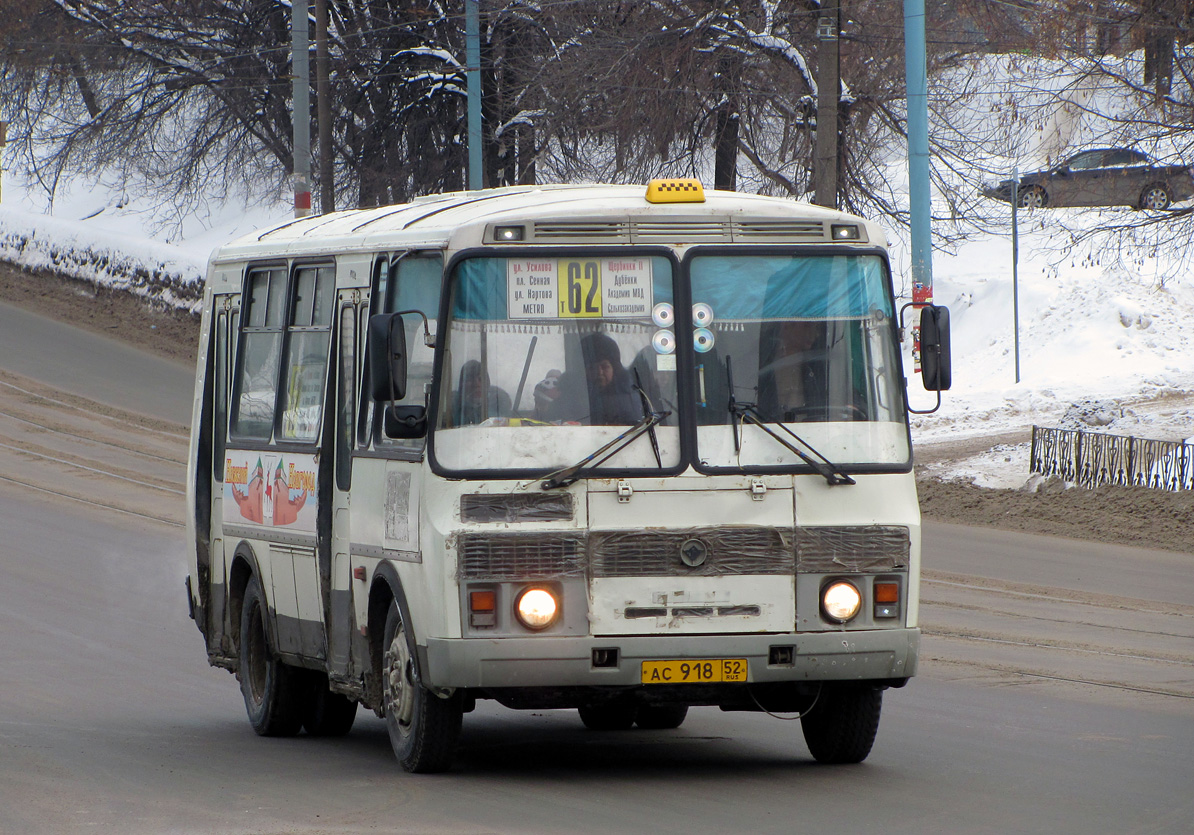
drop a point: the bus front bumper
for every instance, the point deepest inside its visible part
(873, 655)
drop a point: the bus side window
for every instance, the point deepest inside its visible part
(309, 331)
(381, 277)
(260, 353)
(414, 284)
(346, 395)
(220, 388)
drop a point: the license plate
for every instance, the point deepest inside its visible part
(694, 671)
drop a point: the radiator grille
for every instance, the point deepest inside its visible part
(520, 557)
(836, 549)
(656, 554)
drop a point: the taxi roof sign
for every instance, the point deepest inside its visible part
(676, 190)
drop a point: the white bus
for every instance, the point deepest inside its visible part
(617, 449)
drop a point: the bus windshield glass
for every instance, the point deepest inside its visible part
(806, 341)
(548, 358)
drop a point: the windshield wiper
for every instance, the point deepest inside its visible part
(566, 476)
(749, 413)
(648, 409)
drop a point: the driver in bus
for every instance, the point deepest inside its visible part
(611, 396)
(476, 399)
(792, 376)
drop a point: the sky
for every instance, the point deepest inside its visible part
(1104, 343)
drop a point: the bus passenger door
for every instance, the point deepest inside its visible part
(341, 621)
(222, 335)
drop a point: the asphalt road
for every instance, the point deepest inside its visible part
(1056, 694)
(94, 367)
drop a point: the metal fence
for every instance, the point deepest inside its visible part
(1092, 459)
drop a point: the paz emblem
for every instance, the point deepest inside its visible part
(693, 552)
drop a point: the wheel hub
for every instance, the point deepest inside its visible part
(399, 682)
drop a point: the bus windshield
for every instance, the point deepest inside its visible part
(547, 358)
(806, 341)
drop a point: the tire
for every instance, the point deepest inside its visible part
(1033, 197)
(610, 716)
(1155, 197)
(273, 691)
(841, 727)
(327, 713)
(423, 728)
(661, 717)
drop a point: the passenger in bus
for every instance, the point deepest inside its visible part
(476, 399)
(546, 394)
(792, 371)
(607, 396)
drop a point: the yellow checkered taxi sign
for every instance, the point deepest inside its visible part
(678, 190)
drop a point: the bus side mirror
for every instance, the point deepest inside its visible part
(387, 357)
(405, 421)
(934, 348)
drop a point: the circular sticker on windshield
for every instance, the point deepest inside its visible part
(664, 342)
(663, 315)
(702, 315)
(702, 340)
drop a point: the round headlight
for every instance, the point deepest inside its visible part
(537, 608)
(840, 601)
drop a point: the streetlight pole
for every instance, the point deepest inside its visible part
(300, 64)
(1016, 263)
(472, 57)
(828, 93)
(323, 111)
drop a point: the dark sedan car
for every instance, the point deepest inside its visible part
(1103, 177)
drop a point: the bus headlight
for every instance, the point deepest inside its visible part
(840, 601)
(536, 608)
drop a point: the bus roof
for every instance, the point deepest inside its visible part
(568, 214)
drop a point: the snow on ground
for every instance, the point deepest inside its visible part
(103, 235)
(1105, 348)
(1102, 346)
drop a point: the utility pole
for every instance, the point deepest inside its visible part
(920, 219)
(472, 57)
(829, 27)
(1016, 263)
(323, 111)
(300, 65)
(920, 215)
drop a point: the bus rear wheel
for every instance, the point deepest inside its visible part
(273, 691)
(610, 716)
(423, 728)
(842, 725)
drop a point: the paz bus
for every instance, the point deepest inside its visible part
(616, 449)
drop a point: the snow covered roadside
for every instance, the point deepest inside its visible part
(1102, 348)
(106, 237)
(157, 271)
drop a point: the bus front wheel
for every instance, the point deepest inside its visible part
(272, 690)
(423, 727)
(842, 725)
(661, 717)
(611, 716)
